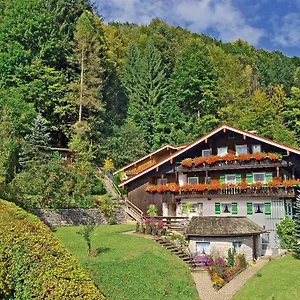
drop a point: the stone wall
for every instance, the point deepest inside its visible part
(77, 216)
(220, 245)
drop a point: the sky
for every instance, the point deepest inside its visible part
(268, 24)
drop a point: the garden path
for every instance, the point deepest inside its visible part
(207, 292)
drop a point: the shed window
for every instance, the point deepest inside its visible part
(162, 181)
(203, 248)
(206, 152)
(193, 180)
(241, 149)
(236, 246)
(259, 177)
(222, 151)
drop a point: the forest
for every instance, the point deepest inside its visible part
(113, 92)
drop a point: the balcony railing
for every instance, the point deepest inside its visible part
(282, 192)
(233, 165)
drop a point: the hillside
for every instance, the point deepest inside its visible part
(121, 90)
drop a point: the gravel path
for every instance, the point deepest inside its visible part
(207, 292)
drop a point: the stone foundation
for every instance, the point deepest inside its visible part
(77, 216)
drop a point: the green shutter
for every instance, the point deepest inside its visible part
(217, 208)
(249, 208)
(267, 208)
(269, 176)
(249, 178)
(222, 178)
(238, 178)
(234, 208)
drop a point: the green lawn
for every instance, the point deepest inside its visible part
(278, 280)
(130, 267)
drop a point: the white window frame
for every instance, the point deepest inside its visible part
(222, 148)
(238, 244)
(259, 173)
(207, 252)
(204, 150)
(230, 208)
(237, 146)
(163, 181)
(226, 180)
(252, 148)
(255, 207)
(193, 177)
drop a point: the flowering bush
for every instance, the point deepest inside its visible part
(212, 159)
(243, 185)
(228, 157)
(199, 160)
(188, 162)
(243, 157)
(160, 224)
(259, 156)
(274, 156)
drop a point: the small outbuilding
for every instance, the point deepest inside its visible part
(215, 235)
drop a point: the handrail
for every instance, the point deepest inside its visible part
(134, 207)
(107, 175)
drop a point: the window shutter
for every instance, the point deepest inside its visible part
(222, 178)
(249, 178)
(267, 208)
(234, 208)
(238, 178)
(217, 208)
(269, 176)
(249, 209)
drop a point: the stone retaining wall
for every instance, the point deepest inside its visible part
(77, 216)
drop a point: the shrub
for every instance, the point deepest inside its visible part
(230, 257)
(33, 263)
(152, 210)
(86, 232)
(285, 230)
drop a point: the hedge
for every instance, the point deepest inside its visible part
(33, 263)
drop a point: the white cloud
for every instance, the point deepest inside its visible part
(287, 33)
(220, 16)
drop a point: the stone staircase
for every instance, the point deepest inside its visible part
(180, 252)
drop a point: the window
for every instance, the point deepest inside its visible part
(193, 180)
(259, 177)
(203, 248)
(236, 246)
(222, 151)
(226, 208)
(230, 178)
(206, 152)
(256, 148)
(241, 149)
(258, 208)
(162, 181)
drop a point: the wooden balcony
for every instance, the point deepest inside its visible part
(278, 192)
(235, 165)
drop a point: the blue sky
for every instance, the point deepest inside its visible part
(268, 24)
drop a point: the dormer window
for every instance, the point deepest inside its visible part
(256, 148)
(162, 181)
(222, 151)
(241, 149)
(193, 180)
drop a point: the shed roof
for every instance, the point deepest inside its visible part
(222, 226)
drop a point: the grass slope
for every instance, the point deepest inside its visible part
(279, 279)
(130, 267)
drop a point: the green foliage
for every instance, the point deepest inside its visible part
(285, 231)
(152, 210)
(34, 264)
(86, 232)
(296, 247)
(230, 257)
(106, 204)
(109, 165)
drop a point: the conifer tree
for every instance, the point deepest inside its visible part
(297, 224)
(36, 145)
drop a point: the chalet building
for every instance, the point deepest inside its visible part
(228, 172)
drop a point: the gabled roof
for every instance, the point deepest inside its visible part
(148, 155)
(222, 226)
(208, 135)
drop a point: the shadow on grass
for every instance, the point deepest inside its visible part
(101, 250)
